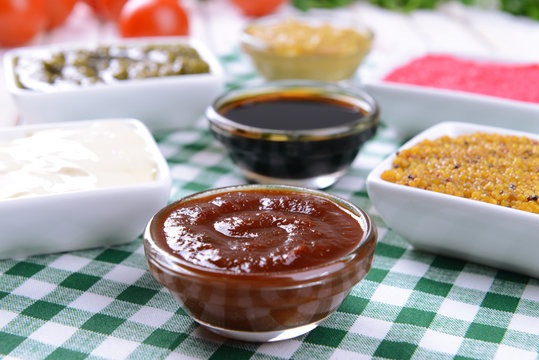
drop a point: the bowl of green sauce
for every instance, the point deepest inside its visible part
(164, 82)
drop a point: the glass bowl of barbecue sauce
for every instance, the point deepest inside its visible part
(294, 132)
(260, 262)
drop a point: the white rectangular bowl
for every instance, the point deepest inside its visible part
(410, 109)
(163, 103)
(450, 225)
(81, 219)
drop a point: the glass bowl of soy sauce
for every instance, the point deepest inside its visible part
(294, 132)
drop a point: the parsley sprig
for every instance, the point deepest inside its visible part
(527, 8)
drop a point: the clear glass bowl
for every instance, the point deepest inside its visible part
(266, 306)
(310, 157)
(315, 47)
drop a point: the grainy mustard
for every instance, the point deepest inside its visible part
(493, 168)
(292, 37)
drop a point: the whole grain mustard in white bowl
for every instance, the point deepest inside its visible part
(465, 190)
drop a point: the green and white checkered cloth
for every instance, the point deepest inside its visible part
(103, 303)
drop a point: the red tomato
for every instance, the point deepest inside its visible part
(112, 8)
(20, 21)
(257, 7)
(96, 6)
(153, 18)
(58, 11)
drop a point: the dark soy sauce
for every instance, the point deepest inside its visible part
(288, 156)
(292, 112)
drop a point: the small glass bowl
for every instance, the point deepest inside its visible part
(314, 158)
(315, 47)
(268, 306)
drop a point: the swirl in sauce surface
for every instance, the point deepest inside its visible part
(254, 231)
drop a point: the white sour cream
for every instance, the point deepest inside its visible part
(72, 158)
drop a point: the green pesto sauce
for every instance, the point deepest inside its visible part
(106, 65)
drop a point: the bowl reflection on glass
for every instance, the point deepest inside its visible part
(295, 132)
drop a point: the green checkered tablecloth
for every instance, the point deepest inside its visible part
(103, 303)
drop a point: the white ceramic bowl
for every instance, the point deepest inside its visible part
(86, 218)
(450, 225)
(410, 109)
(162, 103)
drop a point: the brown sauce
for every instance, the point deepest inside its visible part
(257, 231)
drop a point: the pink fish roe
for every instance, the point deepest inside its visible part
(511, 81)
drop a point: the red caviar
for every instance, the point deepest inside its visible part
(511, 81)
